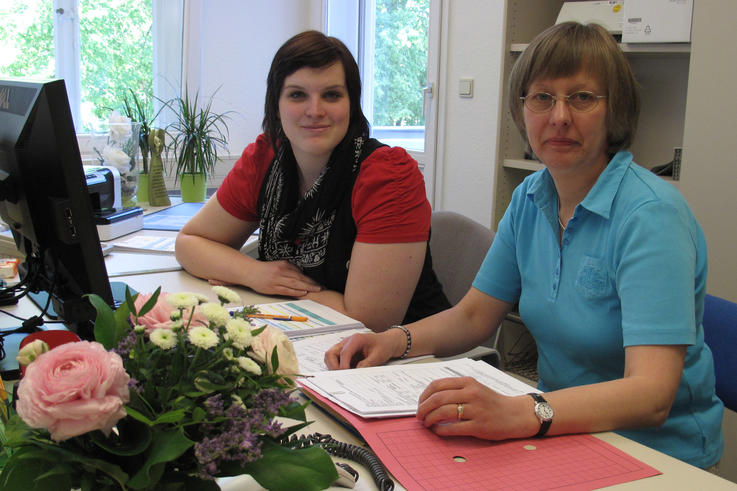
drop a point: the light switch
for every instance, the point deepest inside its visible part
(465, 87)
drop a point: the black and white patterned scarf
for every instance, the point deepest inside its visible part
(298, 230)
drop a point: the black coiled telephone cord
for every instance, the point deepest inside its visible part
(344, 450)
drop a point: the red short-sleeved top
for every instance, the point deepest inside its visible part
(388, 201)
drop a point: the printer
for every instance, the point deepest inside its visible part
(111, 219)
(103, 184)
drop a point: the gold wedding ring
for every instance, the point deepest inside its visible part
(459, 409)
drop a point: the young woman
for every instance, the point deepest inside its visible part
(343, 219)
(608, 266)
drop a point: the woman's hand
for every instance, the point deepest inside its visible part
(365, 350)
(280, 278)
(485, 414)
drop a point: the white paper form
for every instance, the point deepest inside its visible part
(390, 391)
(311, 351)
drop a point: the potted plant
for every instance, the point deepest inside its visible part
(136, 112)
(196, 136)
(151, 185)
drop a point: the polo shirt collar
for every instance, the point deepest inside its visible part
(599, 198)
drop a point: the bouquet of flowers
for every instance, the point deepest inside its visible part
(175, 392)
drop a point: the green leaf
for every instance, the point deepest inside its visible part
(171, 417)
(133, 438)
(283, 468)
(104, 322)
(274, 360)
(146, 308)
(18, 475)
(139, 416)
(167, 445)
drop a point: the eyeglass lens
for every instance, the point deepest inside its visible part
(578, 101)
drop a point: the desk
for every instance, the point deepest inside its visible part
(676, 475)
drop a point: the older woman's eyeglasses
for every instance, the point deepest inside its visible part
(582, 101)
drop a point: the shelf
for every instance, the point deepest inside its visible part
(531, 165)
(634, 48)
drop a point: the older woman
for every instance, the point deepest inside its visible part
(608, 266)
(343, 219)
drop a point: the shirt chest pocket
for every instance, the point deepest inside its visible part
(592, 279)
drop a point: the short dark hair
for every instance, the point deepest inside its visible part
(315, 50)
(564, 49)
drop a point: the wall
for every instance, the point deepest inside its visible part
(467, 127)
(229, 45)
(709, 169)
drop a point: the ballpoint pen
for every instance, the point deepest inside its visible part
(278, 317)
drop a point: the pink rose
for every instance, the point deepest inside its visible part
(72, 389)
(263, 344)
(160, 314)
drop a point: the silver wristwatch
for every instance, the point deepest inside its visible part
(544, 413)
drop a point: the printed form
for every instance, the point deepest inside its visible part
(393, 390)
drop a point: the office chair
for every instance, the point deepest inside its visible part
(458, 246)
(720, 334)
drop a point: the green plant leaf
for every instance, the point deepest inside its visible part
(137, 415)
(285, 469)
(133, 438)
(104, 322)
(150, 302)
(167, 445)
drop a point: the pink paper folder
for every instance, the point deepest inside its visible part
(419, 459)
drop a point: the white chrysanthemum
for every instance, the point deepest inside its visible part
(228, 353)
(176, 325)
(201, 298)
(203, 337)
(182, 300)
(239, 332)
(215, 313)
(175, 315)
(249, 365)
(226, 295)
(139, 329)
(163, 338)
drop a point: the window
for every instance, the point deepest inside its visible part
(391, 46)
(102, 49)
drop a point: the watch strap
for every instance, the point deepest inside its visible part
(544, 423)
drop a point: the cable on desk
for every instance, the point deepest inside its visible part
(344, 450)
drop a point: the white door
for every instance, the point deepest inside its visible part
(397, 44)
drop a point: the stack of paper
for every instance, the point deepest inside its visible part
(393, 390)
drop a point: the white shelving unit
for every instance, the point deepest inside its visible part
(661, 69)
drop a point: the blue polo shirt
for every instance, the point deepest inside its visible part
(630, 270)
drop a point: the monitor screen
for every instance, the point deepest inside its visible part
(45, 202)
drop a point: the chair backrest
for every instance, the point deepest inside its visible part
(458, 246)
(720, 334)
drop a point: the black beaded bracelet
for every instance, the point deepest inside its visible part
(409, 339)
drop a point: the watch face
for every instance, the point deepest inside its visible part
(544, 411)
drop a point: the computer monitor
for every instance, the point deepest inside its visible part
(45, 202)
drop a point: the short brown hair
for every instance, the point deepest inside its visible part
(563, 50)
(315, 50)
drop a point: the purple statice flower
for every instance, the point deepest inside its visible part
(135, 385)
(125, 345)
(214, 405)
(236, 444)
(271, 400)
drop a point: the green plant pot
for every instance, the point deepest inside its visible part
(194, 188)
(142, 192)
